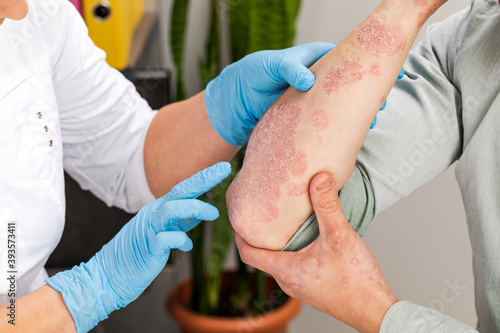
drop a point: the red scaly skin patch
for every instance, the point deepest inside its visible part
(351, 72)
(271, 157)
(319, 119)
(296, 190)
(375, 69)
(379, 39)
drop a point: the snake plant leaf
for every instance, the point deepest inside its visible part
(238, 26)
(177, 36)
(261, 25)
(254, 25)
(197, 268)
(210, 67)
(292, 9)
(221, 240)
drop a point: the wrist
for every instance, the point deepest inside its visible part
(222, 117)
(81, 297)
(370, 312)
(379, 313)
(410, 12)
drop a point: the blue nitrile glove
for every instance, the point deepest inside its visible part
(374, 122)
(125, 266)
(245, 90)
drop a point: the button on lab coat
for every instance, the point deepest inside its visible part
(61, 107)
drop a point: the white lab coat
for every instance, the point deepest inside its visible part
(61, 105)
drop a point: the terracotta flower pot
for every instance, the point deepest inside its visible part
(275, 321)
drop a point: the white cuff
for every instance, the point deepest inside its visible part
(138, 192)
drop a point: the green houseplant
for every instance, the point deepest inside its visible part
(254, 25)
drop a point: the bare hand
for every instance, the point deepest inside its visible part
(337, 273)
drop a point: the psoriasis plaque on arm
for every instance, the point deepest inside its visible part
(319, 120)
(379, 39)
(260, 189)
(348, 74)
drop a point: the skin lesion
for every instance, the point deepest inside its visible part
(351, 72)
(319, 120)
(271, 159)
(296, 190)
(379, 38)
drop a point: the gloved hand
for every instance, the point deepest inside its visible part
(124, 267)
(374, 122)
(245, 90)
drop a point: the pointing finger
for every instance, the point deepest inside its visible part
(183, 215)
(201, 182)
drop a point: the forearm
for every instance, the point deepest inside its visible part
(180, 142)
(418, 135)
(43, 310)
(321, 130)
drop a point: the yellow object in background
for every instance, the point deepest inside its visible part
(112, 24)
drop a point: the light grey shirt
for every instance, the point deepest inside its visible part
(447, 108)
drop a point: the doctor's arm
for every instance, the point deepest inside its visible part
(125, 153)
(43, 310)
(339, 275)
(116, 275)
(211, 126)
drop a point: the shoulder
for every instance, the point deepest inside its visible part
(47, 26)
(56, 20)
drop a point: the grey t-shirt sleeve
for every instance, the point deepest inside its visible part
(407, 317)
(358, 210)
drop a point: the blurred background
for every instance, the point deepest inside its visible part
(421, 242)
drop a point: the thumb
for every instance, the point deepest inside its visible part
(326, 204)
(294, 67)
(297, 75)
(167, 240)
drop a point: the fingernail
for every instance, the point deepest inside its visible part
(305, 81)
(325, 186)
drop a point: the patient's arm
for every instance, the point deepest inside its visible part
(322, 129)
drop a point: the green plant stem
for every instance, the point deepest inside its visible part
(210, 67)
(177, 36)
(260, 294)
(254, 25)
(242, 290)
(197, 267)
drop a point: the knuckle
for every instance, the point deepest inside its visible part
(329, 205)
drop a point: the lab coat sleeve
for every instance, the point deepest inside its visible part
(407, 317)
(104, 121)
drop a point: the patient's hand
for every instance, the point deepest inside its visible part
(323, 129)
(337, 274)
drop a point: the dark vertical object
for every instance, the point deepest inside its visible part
(177, 36)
